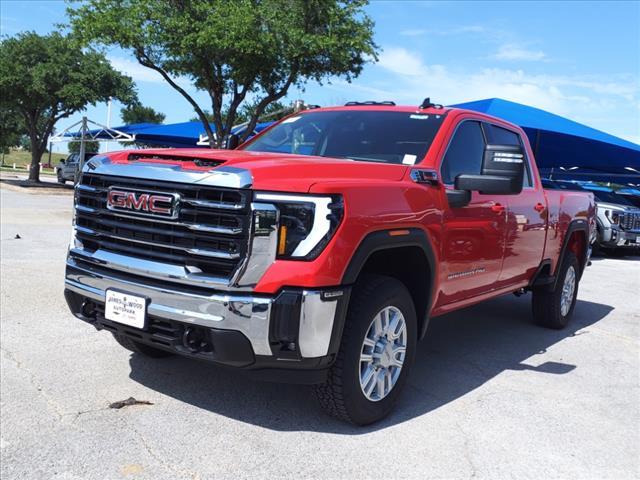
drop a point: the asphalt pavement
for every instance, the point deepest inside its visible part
(491, 395)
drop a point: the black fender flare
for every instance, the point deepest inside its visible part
(384, 240)
(577, 225)
(548, 279)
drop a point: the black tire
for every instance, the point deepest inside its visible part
(341, 395)
(60, 178)
(547, 302)
(140, 348)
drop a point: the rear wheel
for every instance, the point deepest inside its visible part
(376, 353)
(554, 308)
(141, 348)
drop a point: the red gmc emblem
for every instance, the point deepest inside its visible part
(149, 203)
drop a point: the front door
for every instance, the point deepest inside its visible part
(472, 247)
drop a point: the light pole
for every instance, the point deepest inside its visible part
(106, 144)
(83, 129)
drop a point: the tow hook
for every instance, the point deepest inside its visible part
(195, 340)
(88, 309)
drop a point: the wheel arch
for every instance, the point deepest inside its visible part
(404, 254)
(576, 240)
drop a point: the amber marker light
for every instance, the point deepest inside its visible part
(398, 233)
(282, 242)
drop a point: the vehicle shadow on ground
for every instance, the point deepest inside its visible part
(462, 351)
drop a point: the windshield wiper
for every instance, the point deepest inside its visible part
(351, 157)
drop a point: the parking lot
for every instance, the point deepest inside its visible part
(491, 395)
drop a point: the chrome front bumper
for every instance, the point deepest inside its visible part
(616, 237)
(249, 314)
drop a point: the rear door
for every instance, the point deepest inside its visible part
(473, 236)
(526, 217)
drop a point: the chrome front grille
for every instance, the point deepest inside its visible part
(209, 235)
(630, 221)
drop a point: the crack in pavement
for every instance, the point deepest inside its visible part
(59, 411)
(159, 458)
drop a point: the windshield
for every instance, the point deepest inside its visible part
(373, 135)
(634, 199)
(610, 197)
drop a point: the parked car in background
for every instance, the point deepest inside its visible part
(66, 169)
(618, 220)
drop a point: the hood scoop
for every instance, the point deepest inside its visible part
(199, 161)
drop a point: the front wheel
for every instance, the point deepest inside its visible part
(553, 308)
(60, 177)
(377, 350)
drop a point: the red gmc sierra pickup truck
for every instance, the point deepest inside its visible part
(317, 251)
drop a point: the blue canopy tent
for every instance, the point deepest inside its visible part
(179, 135)
(565, 149)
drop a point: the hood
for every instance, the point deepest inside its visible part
(286, 172)
(615, 206)
(269, 171)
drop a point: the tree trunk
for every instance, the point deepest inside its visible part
(34, 168)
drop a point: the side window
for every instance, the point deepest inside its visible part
(502, 136)
(465, 152)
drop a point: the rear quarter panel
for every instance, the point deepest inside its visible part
(564, 207)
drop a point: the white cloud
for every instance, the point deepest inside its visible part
(401, 61)
(515, 52)
(136, 71)
(610, 103)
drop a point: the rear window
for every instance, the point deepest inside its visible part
(502, 136)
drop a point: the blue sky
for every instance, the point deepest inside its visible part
(577, 59)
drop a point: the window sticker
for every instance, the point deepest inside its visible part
(291, 119)
(419, 117)
(409, 159)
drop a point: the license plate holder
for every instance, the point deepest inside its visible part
(126, 308)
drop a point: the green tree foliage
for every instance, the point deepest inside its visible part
(234, 48)
(48, 78)
(11, 127)
(247, 110)
(138, 113)
(89, 146)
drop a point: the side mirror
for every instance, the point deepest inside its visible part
(232, 142)
(501, 174)
(62, 161)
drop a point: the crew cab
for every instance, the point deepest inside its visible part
(318, 251)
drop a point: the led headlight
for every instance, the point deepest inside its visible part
(613, 216)
(307, 223)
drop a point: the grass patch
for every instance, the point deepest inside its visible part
(22, 158)
(25, 171)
